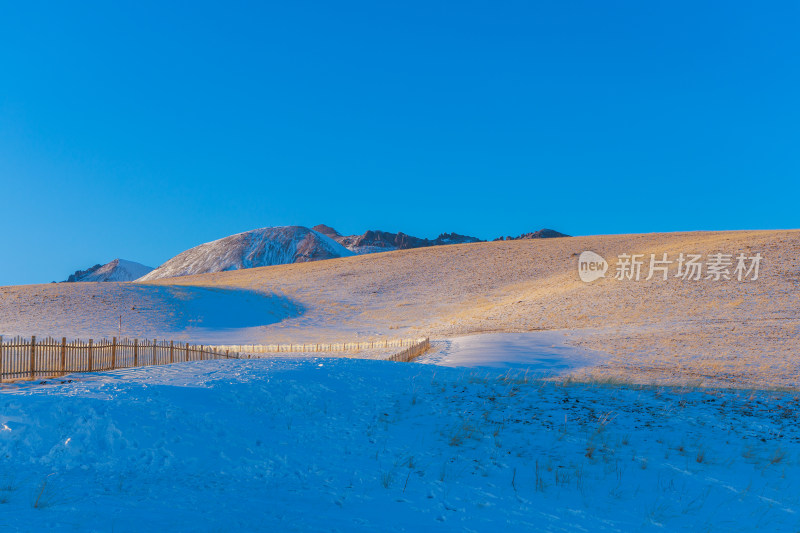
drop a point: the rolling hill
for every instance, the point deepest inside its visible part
(727, 331)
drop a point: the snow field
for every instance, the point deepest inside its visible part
(544, 352)
(354, 445)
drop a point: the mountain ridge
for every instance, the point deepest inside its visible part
(277, 245)
(373, 241)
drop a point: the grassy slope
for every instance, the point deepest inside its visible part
(732, 331)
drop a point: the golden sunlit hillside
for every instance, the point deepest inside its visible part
(730, 330)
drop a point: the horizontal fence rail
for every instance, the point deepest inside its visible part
(34, 358)
(310, 347)
(22, 358)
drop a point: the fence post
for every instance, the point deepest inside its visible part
(1, 358)
(154, 352)
(135, 352)
(113, 353)
(63, 355)
(33, 354)
(90, 355)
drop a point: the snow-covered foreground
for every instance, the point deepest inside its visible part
(349, 445)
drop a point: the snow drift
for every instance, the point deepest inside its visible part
(255, 248)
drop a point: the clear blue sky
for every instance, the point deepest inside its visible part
(139, 129)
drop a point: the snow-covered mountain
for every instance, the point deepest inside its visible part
(255, 248)
(116, 270)
(382, 241)
(294, 244)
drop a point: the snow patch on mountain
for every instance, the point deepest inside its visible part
(255, 248)
(116, 270)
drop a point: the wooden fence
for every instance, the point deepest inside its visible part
(310, 347)
(34, 358)
(412, 352)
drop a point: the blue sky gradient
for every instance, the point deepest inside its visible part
(138, 130)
